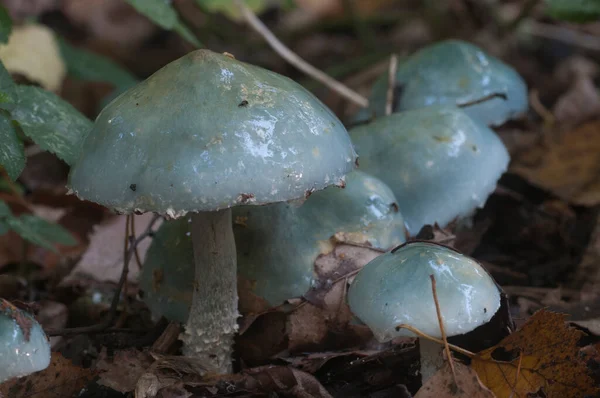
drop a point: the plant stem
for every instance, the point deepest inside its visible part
(212, 322)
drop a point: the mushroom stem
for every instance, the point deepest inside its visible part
(432, 358)
(212, 322)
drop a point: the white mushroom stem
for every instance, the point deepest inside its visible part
(432, 358)
(212, 322)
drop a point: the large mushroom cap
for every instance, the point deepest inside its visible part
(277, 245)
(395, 289)
(440, 163)
(207, 132)
(24, 348)
(454, 72)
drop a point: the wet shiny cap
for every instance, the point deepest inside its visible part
(440, 163)
(207, 132)
(24, 348)
(458, 73)
(395, 289)
(277, 245)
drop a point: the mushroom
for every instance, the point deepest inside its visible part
(24, 347)
(395, 289)
(453, 72)
(440, 163)
(203, 134)
(277, 245)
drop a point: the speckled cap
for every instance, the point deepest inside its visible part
(208, 132)
(440, 163)
(454, 72)
(395, 289)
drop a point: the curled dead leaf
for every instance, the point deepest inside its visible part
(542, 355)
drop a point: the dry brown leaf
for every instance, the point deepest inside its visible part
(579, 104)
(542, 355)
(61, 379)
(568, 165)
(122, 372)
(442, 384)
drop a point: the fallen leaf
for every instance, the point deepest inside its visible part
(442, 384)
(567, 165)
(59, 380)
(579, 104)
(545, 354)
(122, 372)
(32, 51)
(103, 260)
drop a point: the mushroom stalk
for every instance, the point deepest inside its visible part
(432, 358)
(212, 322)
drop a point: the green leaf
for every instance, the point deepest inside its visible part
(187, 34)
(161, 12)
(40, 232)
(51, 122)
(574, 10)
(12, 151)
(4, 210)
(86, 65)
(229, 8)
(5, 25)
(7, 87)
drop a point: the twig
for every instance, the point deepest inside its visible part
(441, 322)
(540, 109)
(389, 104)
(453, 347)
(295, 60)
(112, 313)
(512, 393)
(564, 35)
(136, 252)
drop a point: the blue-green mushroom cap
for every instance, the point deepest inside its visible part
(24, 348)
(208, 132)
(277, 245)
(453, 72)
(395, 288)
(440, 163)
(167, 277)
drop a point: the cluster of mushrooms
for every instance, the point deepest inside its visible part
(258, 175)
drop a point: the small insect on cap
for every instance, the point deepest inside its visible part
(395, 289)
(208, 132)
(24, 348)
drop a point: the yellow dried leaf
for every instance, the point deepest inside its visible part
(568, 166)
(32, 51)
(442, 384)
(543, 354)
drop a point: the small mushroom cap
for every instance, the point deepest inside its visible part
(454, 72)
(440, 163)
(24, 348)
(395, 289)
(277, 245)
(207, 132)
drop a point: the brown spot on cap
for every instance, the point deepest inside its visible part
(230, 55)
(245, 198)
(309, 192)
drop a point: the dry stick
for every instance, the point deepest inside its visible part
(546, 115)
(424, 335)
(117, 296)
(136, 252)
(439, 316)
(295, 60)
(391, 84)
(517, 375)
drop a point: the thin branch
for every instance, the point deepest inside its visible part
(136, 252)
(423, 335)
(295, 60)
(389, 103)
(112, 313)
(512, 393)
(441, 322)
(563, 34)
